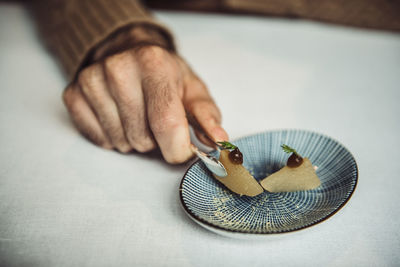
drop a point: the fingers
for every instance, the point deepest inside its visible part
(84, 118)
(138, 99)
(92, 83)
(200, 104)
(163, 97)
(123, 77)
(167, 120)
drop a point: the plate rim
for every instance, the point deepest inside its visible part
(218, 228)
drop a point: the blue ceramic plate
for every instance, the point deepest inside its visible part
(213, 206)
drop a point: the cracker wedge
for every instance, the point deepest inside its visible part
(290, 179)
(239, 179)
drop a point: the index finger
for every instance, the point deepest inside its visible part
(167, 118)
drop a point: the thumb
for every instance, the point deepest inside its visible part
(199, 103)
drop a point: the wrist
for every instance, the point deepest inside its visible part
(129, 37)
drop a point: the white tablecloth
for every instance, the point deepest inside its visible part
(66, 202)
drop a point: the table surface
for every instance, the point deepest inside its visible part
(66, 202)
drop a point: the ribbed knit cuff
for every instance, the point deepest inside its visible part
(128, 37)
(375, 14)
(75, 27)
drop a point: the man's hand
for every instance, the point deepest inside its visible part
(136, 99)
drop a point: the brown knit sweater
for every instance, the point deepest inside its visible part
(74, 28)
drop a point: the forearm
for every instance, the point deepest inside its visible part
(76, 31)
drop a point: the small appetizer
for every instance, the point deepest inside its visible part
(239, 179)
(298, 174)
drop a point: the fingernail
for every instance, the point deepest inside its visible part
(219, 134)
(124, 148)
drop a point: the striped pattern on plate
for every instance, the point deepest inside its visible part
(212, 205)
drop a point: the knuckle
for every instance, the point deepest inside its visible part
(150, 52)
(118, 62)
(71, 101)
(207, 110)
(126, 96)
(164, 122)
(90, 78)
(154, 57)
(86, 75)
(144, 145)
(202, 105)
(208, 120)
(68, 96)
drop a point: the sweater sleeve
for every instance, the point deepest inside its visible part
(73, 28)
(374, 14)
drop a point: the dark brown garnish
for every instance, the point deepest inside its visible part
(294, 161)
(236, 156)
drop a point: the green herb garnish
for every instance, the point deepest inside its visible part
(289, 150)
(226, 145)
